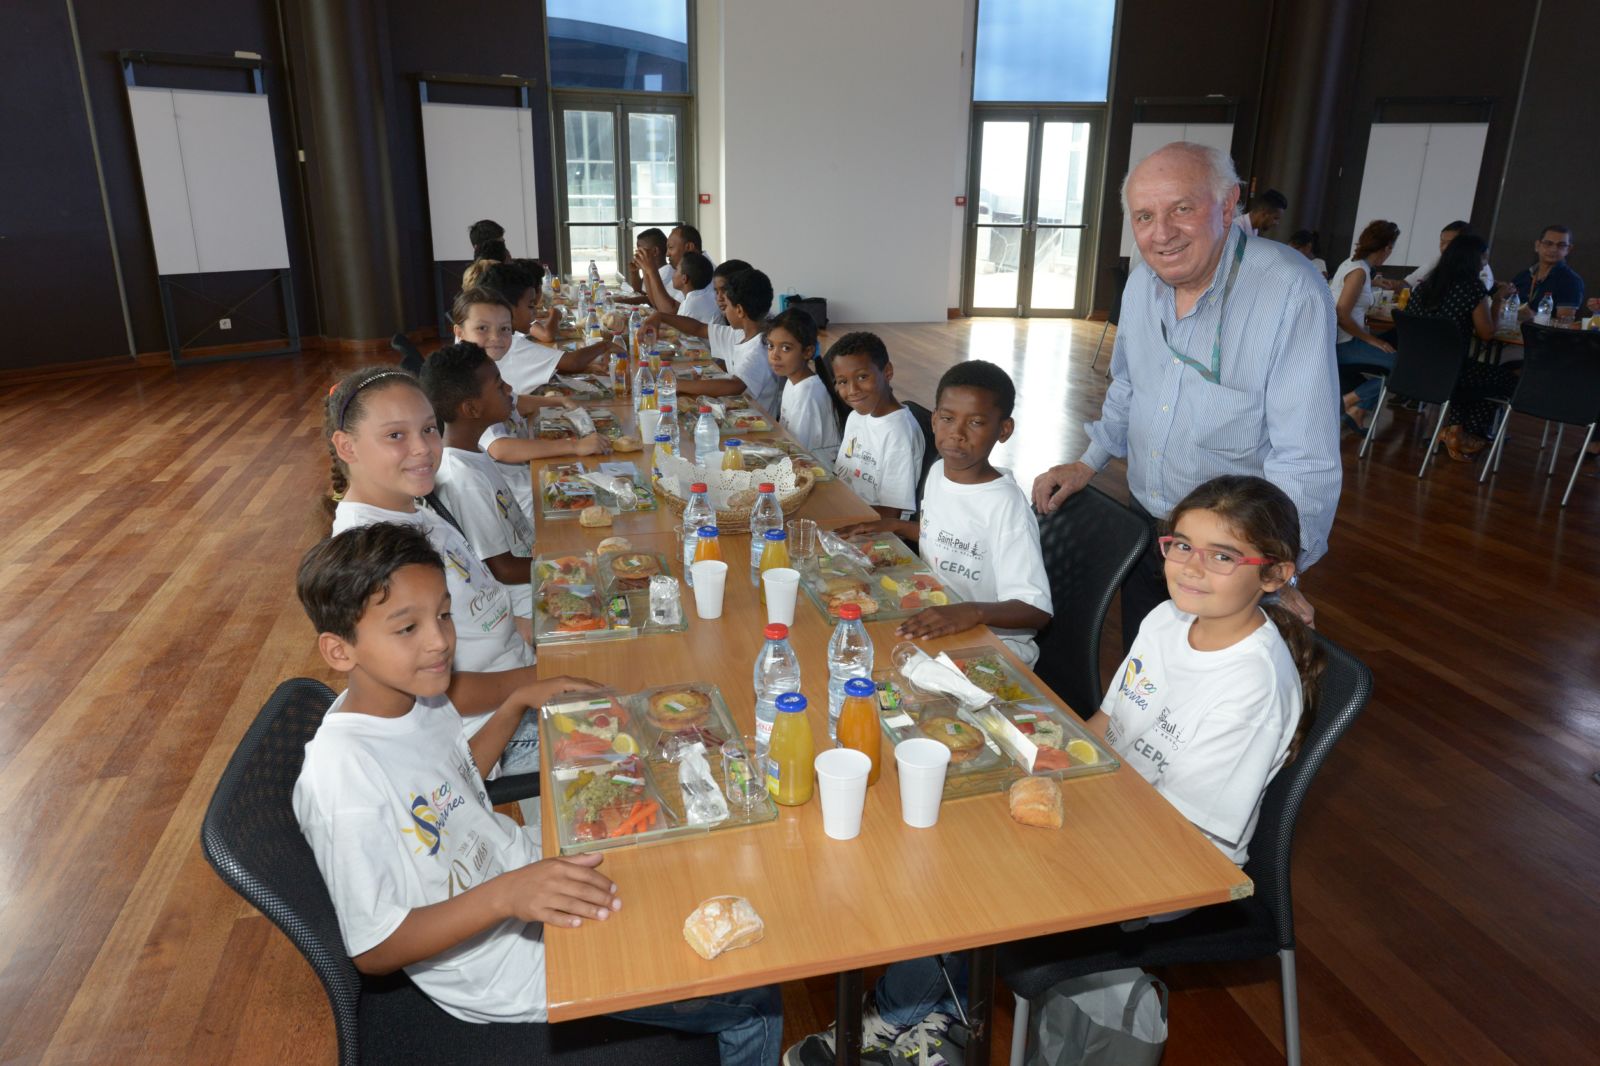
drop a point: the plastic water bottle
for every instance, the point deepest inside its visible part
(849, 656)
(696, 513)
(1547, 310)
(1508, 314)
(777, 671)
(765, 515)
(643, 379)
(669, 423)
(594, 273)
(707, 437)
(663, 447)
(667, 387)
(634, 325)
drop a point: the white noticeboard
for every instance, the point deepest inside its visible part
(1148, 136)
(210, 172)
(480, 165)
(1420, 176)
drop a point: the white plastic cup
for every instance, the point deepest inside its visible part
(648, 422)
(842, 787)
(710, 578)
(922, 763)
(781, 583)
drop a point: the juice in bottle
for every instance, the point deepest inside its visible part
(858, 723)
(733, 454)
(707, 546)
(775, 553)
(790, 753)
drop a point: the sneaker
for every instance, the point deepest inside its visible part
(938, 1040)
(878, 1041)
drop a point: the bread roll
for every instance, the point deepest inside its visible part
(626, 444)
(613, 544)
(595, 516)
(722, 923)
(1037, 801)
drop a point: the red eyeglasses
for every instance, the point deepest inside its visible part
(1215, 559)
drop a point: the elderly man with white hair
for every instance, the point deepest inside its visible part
(1223, 364)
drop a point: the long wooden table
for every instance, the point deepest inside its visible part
(976, 879)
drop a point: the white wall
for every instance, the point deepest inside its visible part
(843, 130)
(708, 124)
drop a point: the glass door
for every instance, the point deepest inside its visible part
(1031, 211)
(621, 172)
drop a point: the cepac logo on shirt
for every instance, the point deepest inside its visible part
(947, 542)
(457, 564)
(1134, 685)
(427, 816)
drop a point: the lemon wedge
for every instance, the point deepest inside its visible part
(937, 598)
(624, 745)
(564, 724)
(1082, 751)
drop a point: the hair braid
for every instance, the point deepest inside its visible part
(1309, 660)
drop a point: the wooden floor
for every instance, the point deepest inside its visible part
(1448, 865)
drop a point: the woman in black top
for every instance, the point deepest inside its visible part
(1454, 291)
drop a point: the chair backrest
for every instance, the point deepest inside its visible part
(251, 838)
(1560, 379)
(410, 357)
(1427, 358)
(930, 454)
(1346, 684)
(1119, 284)
(1090, 543)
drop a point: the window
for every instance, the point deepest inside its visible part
(640, 45)
(1024, 54)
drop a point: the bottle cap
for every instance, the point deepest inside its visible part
(666, 409)
(775, 631)
(859, 686)
(791, 702)
(698, 486)
(775, 534)
(707, 532)
(732, 442)
(704, 409)
(850, 612)
(766, 486)
(663, 438)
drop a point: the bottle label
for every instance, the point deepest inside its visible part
(774, 775)
(763, 732)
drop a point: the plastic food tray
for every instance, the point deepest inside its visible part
(607, 608)
(644, 493)
(905, 712)
(562, 494)
(825, 579)
(638, 750)
(800, 457)
(581, 387)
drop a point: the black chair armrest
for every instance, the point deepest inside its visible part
(512, 788)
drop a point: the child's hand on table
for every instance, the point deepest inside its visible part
(593, 444)
(541, 692)
(559, 892)
(940, 621)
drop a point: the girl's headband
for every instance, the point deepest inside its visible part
(344, 408)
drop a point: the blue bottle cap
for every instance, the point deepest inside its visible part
(706, 531)
(733, 442)
(790, 702)
(775, 534)
(663, 438)
(859, 686)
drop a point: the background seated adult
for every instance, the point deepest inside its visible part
(1306, 242)
(1356, 346)
(1446, 235)
(1265, 212)
(1550, 275)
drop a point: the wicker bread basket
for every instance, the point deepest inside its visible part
(737, 519)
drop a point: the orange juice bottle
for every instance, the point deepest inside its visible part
(858, 723)
(707, 546)
(774, 553)
(790, 753)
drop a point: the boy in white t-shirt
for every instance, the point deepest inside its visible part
(694, 280)
(881, 446)
(808, 410)
(978, 531)
(469, 397)
(530, 362)
(424, 875)
(738, 345)
(483, 317)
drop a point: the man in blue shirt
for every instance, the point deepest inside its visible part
(1223, 364)
(1550, 275)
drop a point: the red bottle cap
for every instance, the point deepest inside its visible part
(850, 612)
(776, 631)
(704, 409)
(766, 486)
(698, 486)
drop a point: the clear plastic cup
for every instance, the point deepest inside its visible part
(742, 779)
(781, 583)
(921, 763)
(710, 579)
(802, 538)
(842, 787)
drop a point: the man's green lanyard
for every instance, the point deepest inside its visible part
(1213, 373)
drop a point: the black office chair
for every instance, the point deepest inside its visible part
(1427, 363)
(1251, 928)
(1090, 544)
(1119, 284)
(1560, 383)
(252, 840)
(930, 452)
(410, 357)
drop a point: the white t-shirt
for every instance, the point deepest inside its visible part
(746, 359)
(396, 814)
(486, 637)
(1419, 275)
(983, 542)
(528, 364)
(518, 475)
(667, 272)
(881, 458)
(1208, 729)
(495, 524)
(1363, 301)
(808, 414)
(700, 305)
